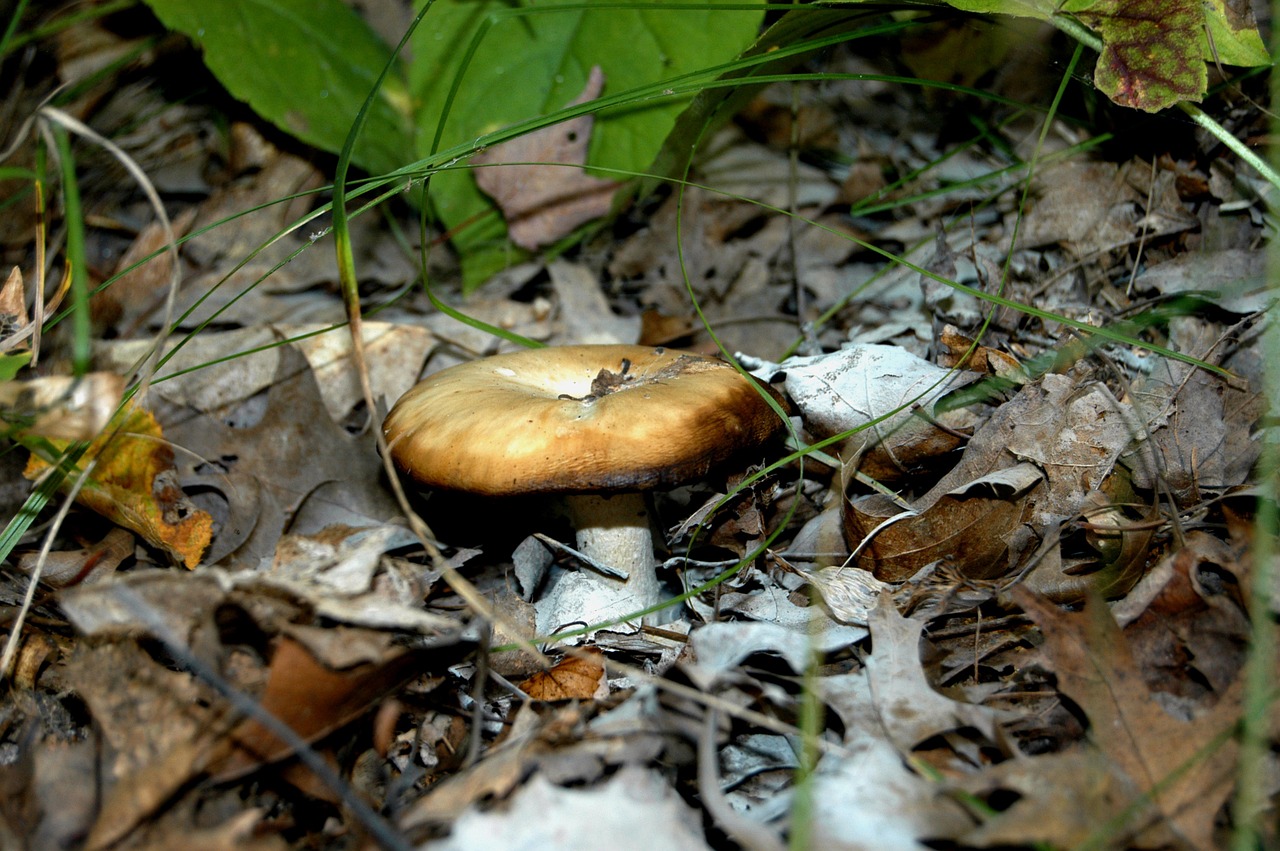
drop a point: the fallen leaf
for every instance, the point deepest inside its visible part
(135, 485)
(62, 407)
(909, 709)
(635, 810)
(1063, 798)
(312, 699)
(282, 464)
(869, 796)
(573, 679)
(880, 391)
(71, 567)
(969, 527)
(13, 311)
(541, 193)
(1180, 771)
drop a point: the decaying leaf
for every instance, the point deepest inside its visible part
(313, 699)
(542, 199)
(575, 678)
(1151, 51)
(849, 593)
(908, 708)
(134, 483)
(970, 527)
(70, 567)
(877, 389)
(1178, 771)
(13, 312)
(281, 463)
(1201, 425)
(634, 811)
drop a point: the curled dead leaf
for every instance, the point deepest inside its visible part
(969, 527)
(134, 483)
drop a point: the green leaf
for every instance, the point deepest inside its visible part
(532, 61)
(10, 365)
(1042, 9)
(1151, 56)
(1231, 34)
(305, 65)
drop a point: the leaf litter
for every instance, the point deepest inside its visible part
(1012, 588)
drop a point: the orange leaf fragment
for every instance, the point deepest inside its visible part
(135, 484)
(575, 678)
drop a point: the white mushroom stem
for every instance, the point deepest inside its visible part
(615, 531)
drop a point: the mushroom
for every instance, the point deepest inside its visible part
(598, 424)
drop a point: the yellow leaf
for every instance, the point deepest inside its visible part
(135, 484)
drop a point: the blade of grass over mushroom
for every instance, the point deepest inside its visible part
(351, 299)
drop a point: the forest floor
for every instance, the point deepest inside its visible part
(1013, 612)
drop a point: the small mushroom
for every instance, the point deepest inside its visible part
(600, 425)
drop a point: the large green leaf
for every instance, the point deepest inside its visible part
(305, 65)
(532, 61)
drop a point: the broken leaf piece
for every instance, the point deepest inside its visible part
(541, 194)
(134, 484)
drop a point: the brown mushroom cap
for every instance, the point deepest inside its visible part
(576, 419)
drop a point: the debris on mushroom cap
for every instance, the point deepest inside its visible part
(577, 418)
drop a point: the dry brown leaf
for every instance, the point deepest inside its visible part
(135, 484)
(1180, 771)
(544, 202)
(312, 699)
(13, 309)
(71, 567)
(573, 679)
(138, 292)
(969, 528)
(1192, 633)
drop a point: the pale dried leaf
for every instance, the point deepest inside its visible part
(543, 196)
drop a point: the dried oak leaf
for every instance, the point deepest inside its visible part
(134, 484)
(542, 195)
(1177, 773)
(969, 526)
